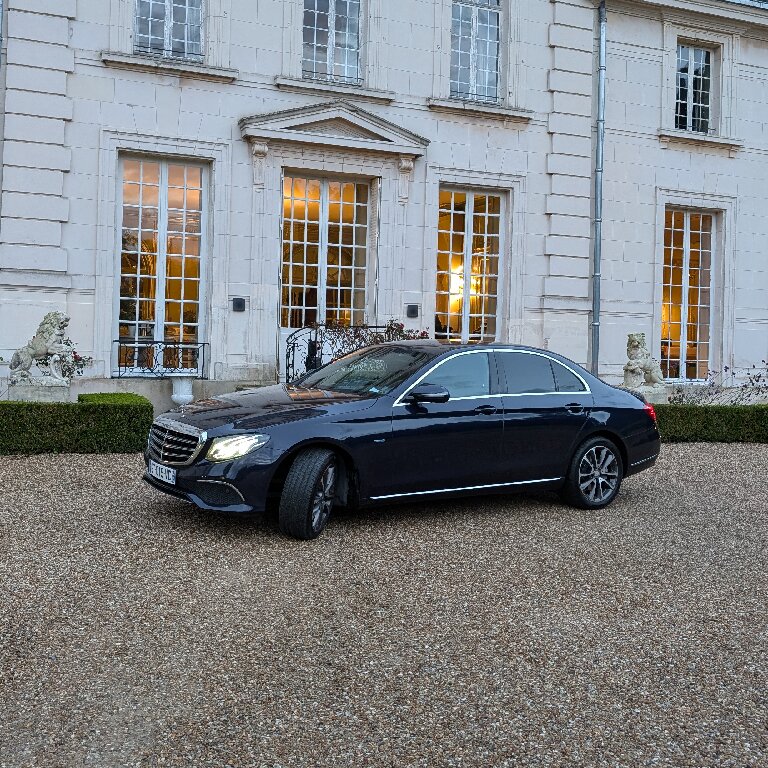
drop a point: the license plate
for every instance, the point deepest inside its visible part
(166, 474)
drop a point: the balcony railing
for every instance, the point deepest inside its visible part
(310, 348)
(160, 358)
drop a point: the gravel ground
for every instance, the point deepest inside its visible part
(136, 631)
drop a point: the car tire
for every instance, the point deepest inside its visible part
(595, 474)
(309, 493)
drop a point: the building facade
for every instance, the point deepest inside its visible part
(191, 181)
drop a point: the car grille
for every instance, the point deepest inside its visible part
(217, 494)
(171, 445)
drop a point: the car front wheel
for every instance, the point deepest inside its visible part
(309, 493)
(595, 474)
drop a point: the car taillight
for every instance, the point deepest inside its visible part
(649, 409)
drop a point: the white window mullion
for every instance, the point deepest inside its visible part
(473, 53)
(689, 112)
(467, 271)
(684, 297)
(322, 265)
(331, 57)
(162, 247)
(168, 27)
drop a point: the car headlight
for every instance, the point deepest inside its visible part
(228, 448)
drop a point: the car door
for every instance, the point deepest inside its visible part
(451, 445)
(546, 406)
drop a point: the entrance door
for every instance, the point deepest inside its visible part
(324, 277)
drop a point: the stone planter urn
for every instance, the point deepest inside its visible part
(182, 388)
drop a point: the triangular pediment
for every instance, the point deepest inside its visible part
(335, 124)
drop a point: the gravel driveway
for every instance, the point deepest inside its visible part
(136, 631)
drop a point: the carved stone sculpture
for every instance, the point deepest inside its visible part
(641, 372)
(44, 349)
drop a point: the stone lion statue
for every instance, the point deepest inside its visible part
(46, 344)
(641, 369)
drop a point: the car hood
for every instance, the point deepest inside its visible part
(266, 406)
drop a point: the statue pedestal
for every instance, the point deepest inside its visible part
(39, 390)
(654, 395)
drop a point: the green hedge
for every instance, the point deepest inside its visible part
(99, 423)
(713, 423)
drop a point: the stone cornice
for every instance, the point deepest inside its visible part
(730, 10)
(162, 66)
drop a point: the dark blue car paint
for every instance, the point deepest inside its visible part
(408, 450)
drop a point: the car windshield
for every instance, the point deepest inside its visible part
(371, 371)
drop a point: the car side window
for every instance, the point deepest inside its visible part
(463, 375)
(526, 374)
(566, 380)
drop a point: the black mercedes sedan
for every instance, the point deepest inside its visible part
(405, 421)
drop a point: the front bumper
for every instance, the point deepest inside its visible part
(239, 486)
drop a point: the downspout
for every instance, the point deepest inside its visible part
(598, 222)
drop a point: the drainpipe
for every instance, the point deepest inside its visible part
(598, 223)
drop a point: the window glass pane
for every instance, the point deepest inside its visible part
(159, 262)
(331, 40)
(693, 100)
(465, 375)
(566, 380)
(526, 374)
(475, 40)
(686, 294)
(169, 28)
(466, 291)
(338, 210)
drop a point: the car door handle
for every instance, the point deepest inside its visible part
(488, 410)
(576, 408)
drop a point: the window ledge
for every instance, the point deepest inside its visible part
(674, 136)
(163, 66)
(300, 85)
(480, 109)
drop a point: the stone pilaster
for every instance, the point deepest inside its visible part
(35, 155)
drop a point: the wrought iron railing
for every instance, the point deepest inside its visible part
(160, 358)
(310, 348)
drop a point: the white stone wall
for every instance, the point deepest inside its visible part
(645, 172)
(74, 99)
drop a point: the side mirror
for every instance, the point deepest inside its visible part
(427, 393)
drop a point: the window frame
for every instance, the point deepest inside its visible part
(512, 77)
(372, 75)
(164, 161)
(474, 55)
(723, 103)
(168, 52)
(712, 288)
(323, 244)
(713, 96)
(723, 277)
(502, 375)
(471, 192)
(332, 51)
(492, 369)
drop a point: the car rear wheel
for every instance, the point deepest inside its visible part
(595, 474)
(309, 493)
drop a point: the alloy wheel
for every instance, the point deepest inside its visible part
(322, 501)
(598, 474)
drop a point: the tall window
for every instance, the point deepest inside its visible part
(468, 247)
(475, 49)
(332, 40)
(686, 294)
(325, 250)
(160, 263)
(170, 28)
(693, 105)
